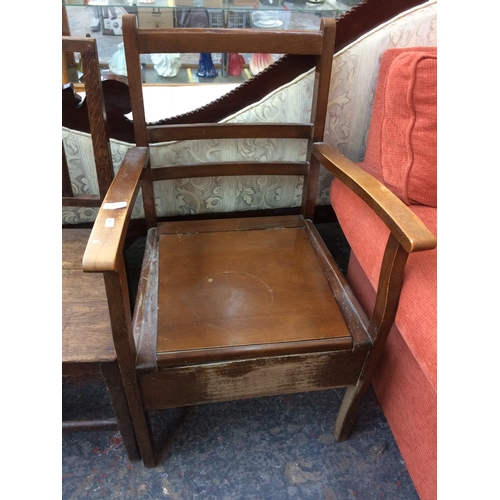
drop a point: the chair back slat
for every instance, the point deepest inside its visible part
(207, 131)
(228, 169)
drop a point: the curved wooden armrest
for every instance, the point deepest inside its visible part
(108, 234)
(409, 230)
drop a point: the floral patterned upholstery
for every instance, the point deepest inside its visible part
(354, 77)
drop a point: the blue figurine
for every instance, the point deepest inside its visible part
(206, 66)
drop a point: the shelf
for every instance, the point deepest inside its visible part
(294, 5)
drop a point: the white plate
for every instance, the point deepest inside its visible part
(268, 23)
(265, 21)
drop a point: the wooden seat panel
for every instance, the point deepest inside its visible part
(247, 288)
(84, 306)
(74, 241)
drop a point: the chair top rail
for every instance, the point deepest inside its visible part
(246, 40)
(78, 44)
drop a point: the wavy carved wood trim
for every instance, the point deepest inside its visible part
(359, 20)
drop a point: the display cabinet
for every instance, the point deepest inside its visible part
(101, 19)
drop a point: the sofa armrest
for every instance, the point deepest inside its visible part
(409, 230)
(108, 233)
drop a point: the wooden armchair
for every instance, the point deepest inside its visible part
(87, 344)
(249, 306)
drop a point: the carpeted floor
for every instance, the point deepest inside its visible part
(261, 449)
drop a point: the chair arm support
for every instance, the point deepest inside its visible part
(412, 234)
(108, 233)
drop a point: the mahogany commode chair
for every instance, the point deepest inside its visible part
(242, 307)
(87, 343)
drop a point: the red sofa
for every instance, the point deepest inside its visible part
(401, 153)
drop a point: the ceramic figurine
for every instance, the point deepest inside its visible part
(167, 65)
(235, 64)
(260, 62)
(117, 65)
(206, 67)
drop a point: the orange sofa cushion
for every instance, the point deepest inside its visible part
(401, 149)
